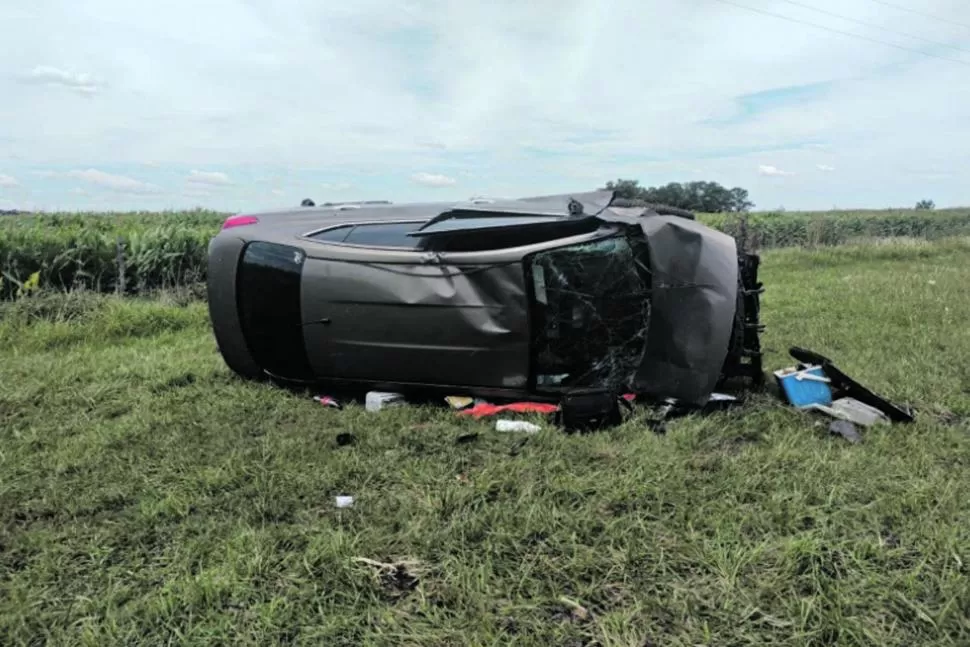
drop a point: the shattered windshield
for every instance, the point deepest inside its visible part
(591, 307)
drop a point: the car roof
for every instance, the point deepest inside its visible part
(587, 203)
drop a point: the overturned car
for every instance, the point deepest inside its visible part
(521, 299)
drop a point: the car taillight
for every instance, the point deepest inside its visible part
(239, 221)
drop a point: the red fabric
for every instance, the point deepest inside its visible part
(482, 410)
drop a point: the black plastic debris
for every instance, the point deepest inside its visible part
(590, 410)
(673, 408)
(345, 439)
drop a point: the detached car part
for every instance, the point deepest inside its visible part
(520, 299)
(844, 386)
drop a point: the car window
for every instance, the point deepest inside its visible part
(390, 234)
(590, 314)
(458, 235)
(457, 225)
(377, 234)
(335, 235)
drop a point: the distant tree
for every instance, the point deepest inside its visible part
(626, 189)
(925, 205)
(703, 197)
(739, 200)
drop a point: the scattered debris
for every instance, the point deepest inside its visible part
(483, 409)
(401, 576)
(344, 439)
(327, 401)
(673, 408)
(466, 438)
(576, 610)
(517, 426)
(818, 385)
(851, 410)
(845, 387)
(377, 400)
(459, 402)
(845, 429)
(589, 410)
(344, 501)
(805, 386)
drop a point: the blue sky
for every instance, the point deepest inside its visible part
(241, 105)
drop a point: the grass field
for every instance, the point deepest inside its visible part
(148, 498)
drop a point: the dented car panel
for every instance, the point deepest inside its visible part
(694, 297)
(522, 298)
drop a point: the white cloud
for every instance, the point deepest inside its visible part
(210, 86)
(49, 75)
(824, 167)
(211, 178)
(772, 171)
(278, 192)
(118, 183)
(433, 180)
(8, 182)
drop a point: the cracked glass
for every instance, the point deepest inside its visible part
(591, 309)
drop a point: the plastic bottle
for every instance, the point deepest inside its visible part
(517, 425)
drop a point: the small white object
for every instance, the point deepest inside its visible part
(377, 400)
(858, 412)
(854, 411)
(517, 425)
(344, 501)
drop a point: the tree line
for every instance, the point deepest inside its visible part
(701, 197)
(698, 197)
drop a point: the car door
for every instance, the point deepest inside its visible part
(376, 311)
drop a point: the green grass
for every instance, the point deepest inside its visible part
(147, 497)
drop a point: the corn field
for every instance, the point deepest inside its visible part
(136, 252)
(767, 230)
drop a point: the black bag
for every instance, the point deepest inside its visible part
(590, 410)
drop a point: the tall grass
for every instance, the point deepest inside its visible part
(169, 249)
(80, 250)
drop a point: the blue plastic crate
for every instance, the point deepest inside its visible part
(804, 387)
